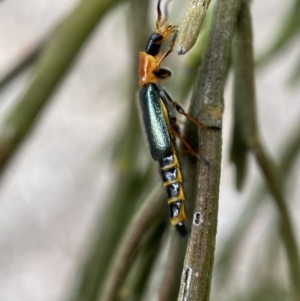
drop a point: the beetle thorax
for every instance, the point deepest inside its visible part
(147, 65)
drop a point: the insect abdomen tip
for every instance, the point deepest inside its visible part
(180, 228)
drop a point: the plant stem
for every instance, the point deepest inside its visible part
(141, 222)
(259, 192)
(28, 59)
(207, 106)
(52, 66)
(245, 91)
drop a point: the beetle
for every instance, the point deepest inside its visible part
(158, 115)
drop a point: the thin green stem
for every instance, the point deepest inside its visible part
(54, 63)
(24, 62)
(245, 92)
(286, 162)
(207, 106)
(141, 222)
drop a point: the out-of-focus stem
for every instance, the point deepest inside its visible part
(289, 155)
(57, 57)
(147, 214)
(245, 91)
(28, 59)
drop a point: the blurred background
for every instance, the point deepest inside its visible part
(59, 180)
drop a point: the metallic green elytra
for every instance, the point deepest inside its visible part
(154, 121)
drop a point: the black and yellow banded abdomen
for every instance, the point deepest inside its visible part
(172, 181)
